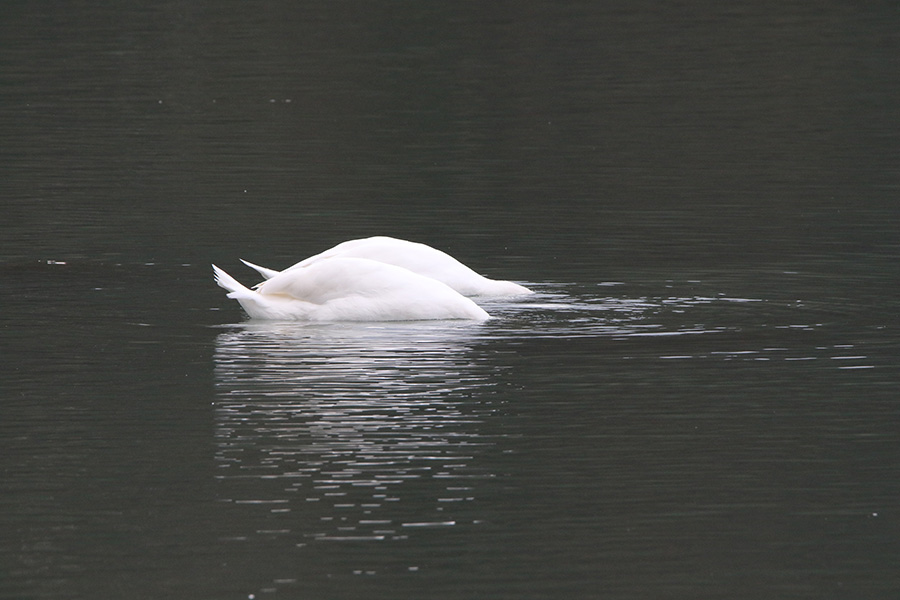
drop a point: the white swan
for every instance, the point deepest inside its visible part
(416, 257)
(350, 289)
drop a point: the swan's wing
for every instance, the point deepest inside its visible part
(317, 282)
(326, 279)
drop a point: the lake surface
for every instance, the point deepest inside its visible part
(700, 400)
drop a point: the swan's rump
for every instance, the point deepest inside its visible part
(350, 289)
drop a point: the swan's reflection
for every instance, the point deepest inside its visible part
(350, 431)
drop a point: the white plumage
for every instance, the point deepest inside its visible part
(349, 289)
(416, 257)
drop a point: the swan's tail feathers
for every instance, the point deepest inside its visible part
(252, 302)
(234, 287)
(266, 273)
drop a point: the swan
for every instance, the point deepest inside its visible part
(416, 257)
(350, 289)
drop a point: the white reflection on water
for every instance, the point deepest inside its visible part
(371, 431)
(569, 311)
(361, 430)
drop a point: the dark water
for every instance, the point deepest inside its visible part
(699, 402)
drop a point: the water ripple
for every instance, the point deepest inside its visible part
(376, 425)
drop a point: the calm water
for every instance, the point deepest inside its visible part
(699, 402)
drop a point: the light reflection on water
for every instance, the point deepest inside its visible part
(732, 327)
(357, 416)
(567, 311)
(402, 436)
(357, 419)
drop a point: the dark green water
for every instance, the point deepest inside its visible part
(699, 402)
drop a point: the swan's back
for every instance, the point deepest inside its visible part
(421, 259)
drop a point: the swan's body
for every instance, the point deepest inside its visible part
(415, 257)
(350, 289)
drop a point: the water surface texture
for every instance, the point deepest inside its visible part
(699, 401)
